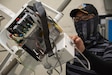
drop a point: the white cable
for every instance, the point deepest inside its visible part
(88, 68)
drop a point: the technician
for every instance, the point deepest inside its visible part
(90, 42)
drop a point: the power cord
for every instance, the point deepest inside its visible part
(50, 71)
(88, 68)
(3, 50)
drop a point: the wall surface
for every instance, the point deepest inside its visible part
(66, 22)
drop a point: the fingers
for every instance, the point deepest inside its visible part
(78, 42)
(75, 38)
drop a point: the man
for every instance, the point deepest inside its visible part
(90, 42)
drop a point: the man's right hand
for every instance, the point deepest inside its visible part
(78, 42)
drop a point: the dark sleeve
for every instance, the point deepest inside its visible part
(99, 66)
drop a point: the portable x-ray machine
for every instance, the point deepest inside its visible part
(32, 37)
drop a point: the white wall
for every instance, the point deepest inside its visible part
(66, 22)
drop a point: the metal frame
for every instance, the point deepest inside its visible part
(9, 62)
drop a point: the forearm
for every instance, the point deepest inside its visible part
(98, 65)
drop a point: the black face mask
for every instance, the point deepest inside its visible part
(87, 29)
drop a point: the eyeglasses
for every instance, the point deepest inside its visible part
(83, 17)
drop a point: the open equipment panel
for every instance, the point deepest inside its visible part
(35, 32)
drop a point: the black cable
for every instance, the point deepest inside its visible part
(3, 50)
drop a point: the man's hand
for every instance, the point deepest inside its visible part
(78, 42)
